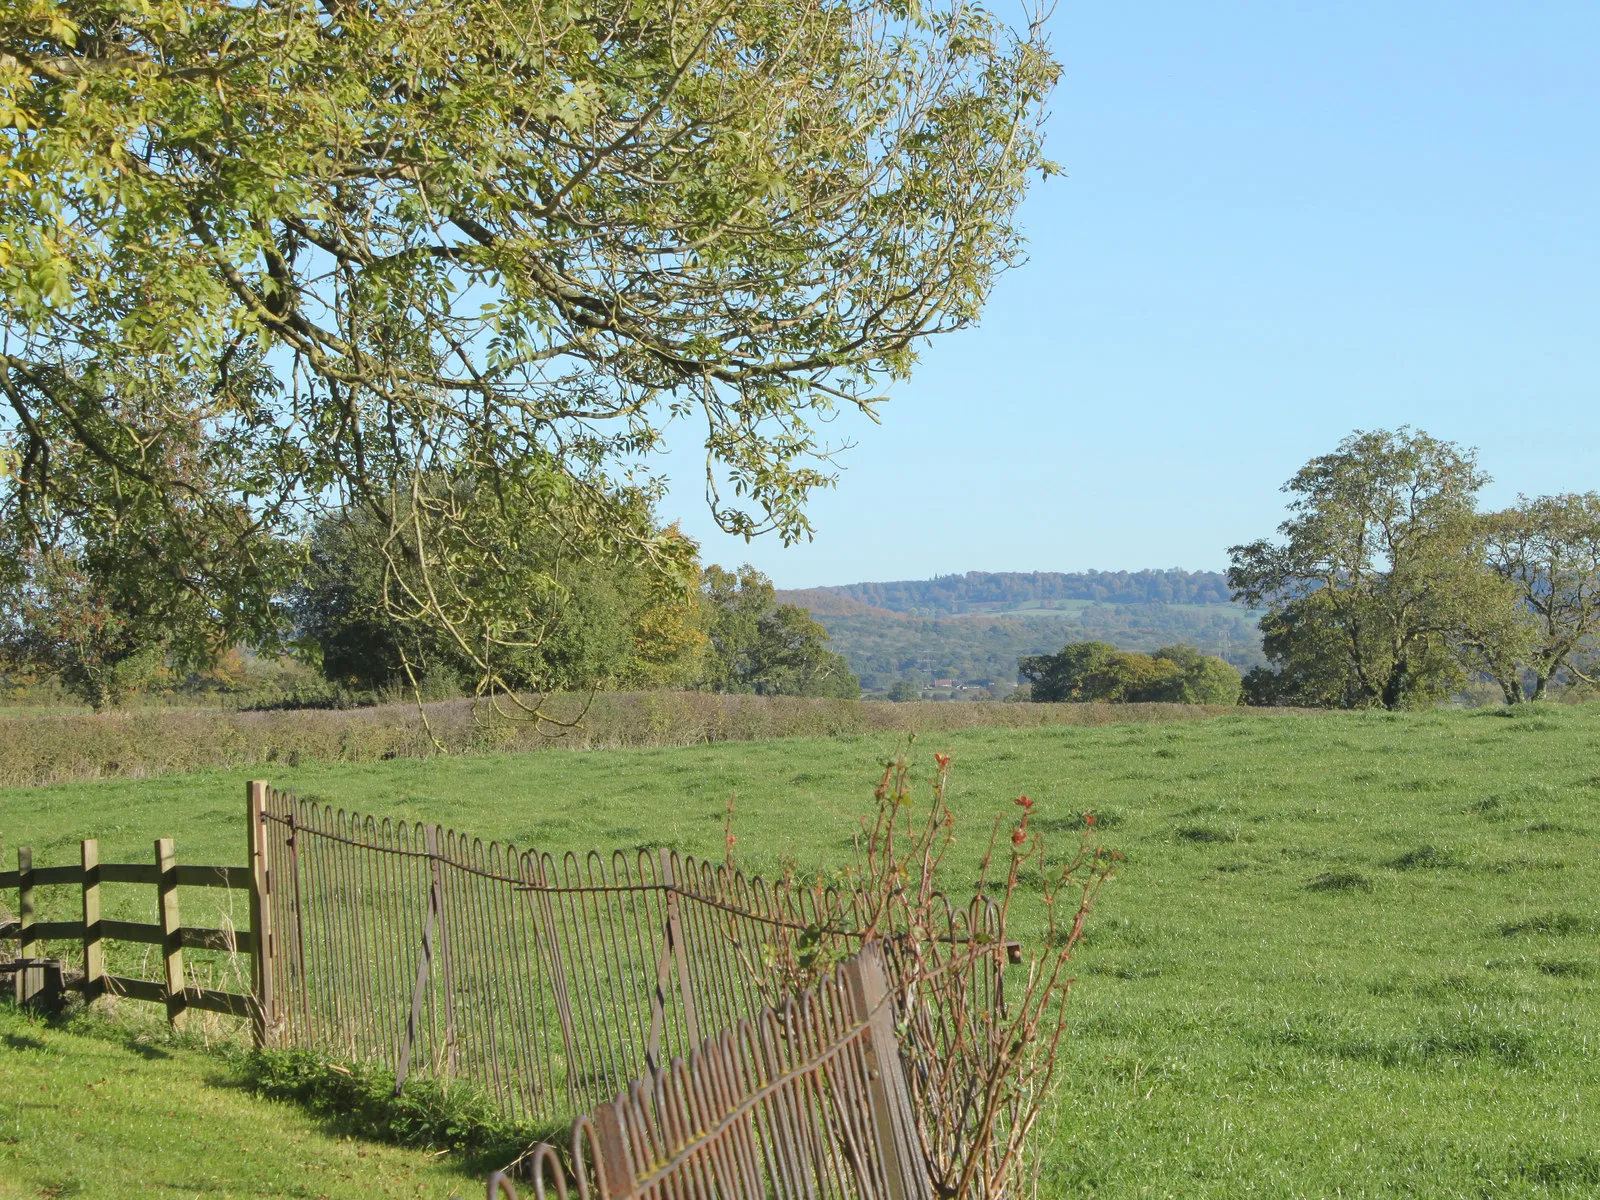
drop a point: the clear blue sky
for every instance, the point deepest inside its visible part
(1280, 222)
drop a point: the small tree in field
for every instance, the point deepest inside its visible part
(1089, 671)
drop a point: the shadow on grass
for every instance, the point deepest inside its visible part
(359, 1100)
(1339, 881)
(1558, 924)
(1425, 858)
(1424, 1048)
(1580, 1170)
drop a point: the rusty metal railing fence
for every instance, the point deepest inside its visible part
(550, 982)
(803, 1100)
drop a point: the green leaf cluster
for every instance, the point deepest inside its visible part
(760, 646)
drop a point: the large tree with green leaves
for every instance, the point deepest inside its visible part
(596, 623)
(1548, 551)
(260, 257)
(1378, 593)
(758, 645)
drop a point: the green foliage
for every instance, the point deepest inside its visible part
(989, 592)
(1379, 594)
(758, 645)
(1088, 671)
(903, 690)
(135, 531)
(259, 260)
(99, 642)
(882, 647)
(590, 622)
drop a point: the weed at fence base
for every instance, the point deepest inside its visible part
(360, 1099)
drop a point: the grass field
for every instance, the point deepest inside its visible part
(1349, 955)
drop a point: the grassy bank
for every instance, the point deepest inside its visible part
(1348, 955)
(114, 1116)
(38, 748)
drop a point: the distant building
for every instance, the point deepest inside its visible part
(944, 683)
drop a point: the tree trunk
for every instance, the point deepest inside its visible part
(1539, 682)
(1394, 686)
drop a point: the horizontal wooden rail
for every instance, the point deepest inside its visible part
(136, 989)
(191, 937)
(217, 877)
(131, 931)
(41, 930)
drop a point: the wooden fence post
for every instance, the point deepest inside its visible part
(264, 1011)
(94, 961)
(171, 928)
(26, 912)
(869, 991)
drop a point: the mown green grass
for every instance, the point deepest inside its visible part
(122, 1117)
(1348, 955)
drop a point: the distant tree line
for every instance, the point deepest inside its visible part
(1388, 588)
(1089, 671)
(884, 648)
(978, 591)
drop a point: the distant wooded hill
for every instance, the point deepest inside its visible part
(1000, 591)
(975, 626)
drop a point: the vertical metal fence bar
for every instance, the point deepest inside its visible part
(306, 1033)
(423, 978)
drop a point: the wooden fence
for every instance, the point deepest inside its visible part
(803, 1101)
(557, 984)
(92, 931)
